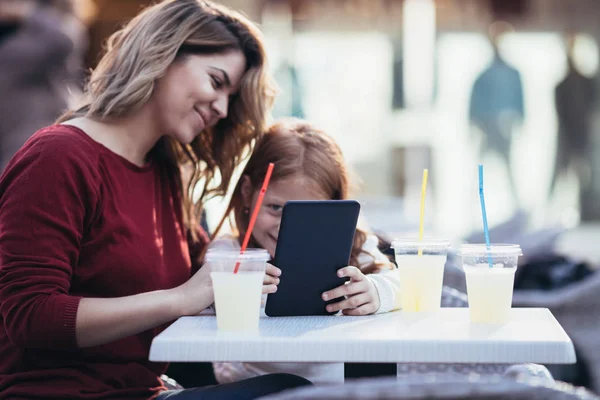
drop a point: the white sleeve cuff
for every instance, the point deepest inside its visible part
(385, 290)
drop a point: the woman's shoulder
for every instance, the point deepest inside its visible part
(63, 141)
(56, 163)
(55, 153)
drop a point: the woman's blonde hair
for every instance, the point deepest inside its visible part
(298, 148)
(142, 51)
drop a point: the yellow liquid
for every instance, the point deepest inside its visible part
(490, 293)
(237, 299)
(421, 282)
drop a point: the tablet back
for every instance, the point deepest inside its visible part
(315, 240)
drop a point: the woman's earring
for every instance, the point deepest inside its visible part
(246, 210)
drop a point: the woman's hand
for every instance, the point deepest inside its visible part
(272, 274)
(197, 293)
(361, 297)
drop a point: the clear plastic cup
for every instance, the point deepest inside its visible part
(421, 276)
(237, 296)
(490, 290)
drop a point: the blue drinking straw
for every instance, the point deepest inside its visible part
(486, 231)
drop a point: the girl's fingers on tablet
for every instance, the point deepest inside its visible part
(351, 272)
(357, 287)
(344, 290)
(272, 270)
(351, 302)
(365, 309)
(269, 289)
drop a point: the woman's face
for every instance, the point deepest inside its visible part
(194, 93)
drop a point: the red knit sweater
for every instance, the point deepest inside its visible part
(77, 220)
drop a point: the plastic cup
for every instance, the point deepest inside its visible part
(421, 276)
(490, 290)
(237, 296)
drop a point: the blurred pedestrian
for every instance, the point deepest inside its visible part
(42, 45)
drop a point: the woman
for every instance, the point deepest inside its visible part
(95, 218)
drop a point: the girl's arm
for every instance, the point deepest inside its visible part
(387, 284)
(367, 294)
(386, 280)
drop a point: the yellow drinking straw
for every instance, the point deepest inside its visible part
(423, 192)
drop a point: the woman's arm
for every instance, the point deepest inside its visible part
(48, 198)
(101, 321)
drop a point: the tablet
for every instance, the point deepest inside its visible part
(315, 240)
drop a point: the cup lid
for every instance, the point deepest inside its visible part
(495, 249)
(235, 255)
(427, 242)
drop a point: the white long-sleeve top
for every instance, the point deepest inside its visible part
(387, 283)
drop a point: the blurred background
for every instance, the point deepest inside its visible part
(404, 85)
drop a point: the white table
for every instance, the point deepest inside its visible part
(532, 336)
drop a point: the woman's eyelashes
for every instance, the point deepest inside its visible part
(217, 83)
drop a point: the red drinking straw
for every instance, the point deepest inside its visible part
(261, 195)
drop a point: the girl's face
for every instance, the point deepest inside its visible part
(266, 228)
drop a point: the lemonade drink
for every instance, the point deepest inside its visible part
(490, 293)
(237, 296)
(421, 276)
(237, 299)
(490, 289)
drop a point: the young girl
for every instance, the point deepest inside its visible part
(308, 166)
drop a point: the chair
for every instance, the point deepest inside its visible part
(522, 382)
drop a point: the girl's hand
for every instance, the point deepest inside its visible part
(272, 274)
(361, 295)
